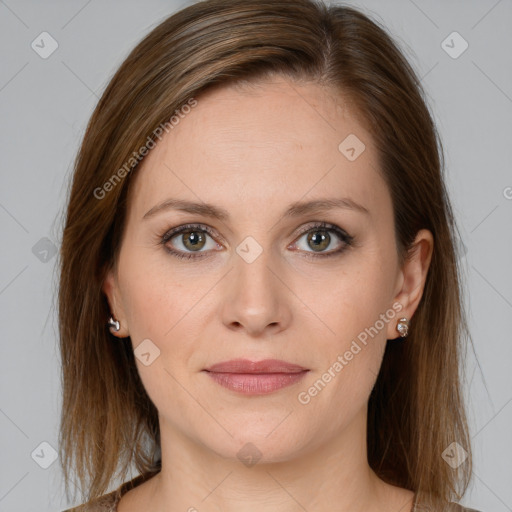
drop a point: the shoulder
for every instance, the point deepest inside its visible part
(456, 507)
(428, 506)
(105, 503)
(108, 502)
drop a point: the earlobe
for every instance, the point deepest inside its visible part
(117, 322)
(413, 276)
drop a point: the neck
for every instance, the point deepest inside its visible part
(195, 478)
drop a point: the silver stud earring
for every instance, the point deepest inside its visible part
(403, 327)
(114, 325)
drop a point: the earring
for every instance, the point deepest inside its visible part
(403, 327)
(114, 325)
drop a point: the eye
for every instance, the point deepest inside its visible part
(319, 237)
(189, 239)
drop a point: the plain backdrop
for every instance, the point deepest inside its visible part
(44, 107)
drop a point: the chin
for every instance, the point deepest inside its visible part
(251, 446)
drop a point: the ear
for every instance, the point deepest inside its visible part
(110, 288)
(411, 278)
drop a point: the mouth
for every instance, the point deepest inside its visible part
(256, 377)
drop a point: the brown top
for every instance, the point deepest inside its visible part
(108, 502)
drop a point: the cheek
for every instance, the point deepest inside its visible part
(165, 306)
(154, 297)
(354, 310)
(354, 301)
(157, 309)
(152, 308)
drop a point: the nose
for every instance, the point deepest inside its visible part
(256, 298)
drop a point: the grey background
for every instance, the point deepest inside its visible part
(44, 107)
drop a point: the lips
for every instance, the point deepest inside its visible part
(256, 377)
(246, 366)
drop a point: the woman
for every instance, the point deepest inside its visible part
(260, 305)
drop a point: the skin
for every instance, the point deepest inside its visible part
(253, 150)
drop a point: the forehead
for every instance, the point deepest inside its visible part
(269, 141)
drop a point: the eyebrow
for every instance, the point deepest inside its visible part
(295, 209)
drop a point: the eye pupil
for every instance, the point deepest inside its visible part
(196, 238)
(320, 242)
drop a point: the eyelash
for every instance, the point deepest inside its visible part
(344, 237)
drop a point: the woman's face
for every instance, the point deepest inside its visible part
(263, 282)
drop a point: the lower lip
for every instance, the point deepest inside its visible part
(256, 383)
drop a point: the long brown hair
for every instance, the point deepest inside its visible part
(416, 408)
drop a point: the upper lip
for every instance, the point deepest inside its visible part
(247, 366)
